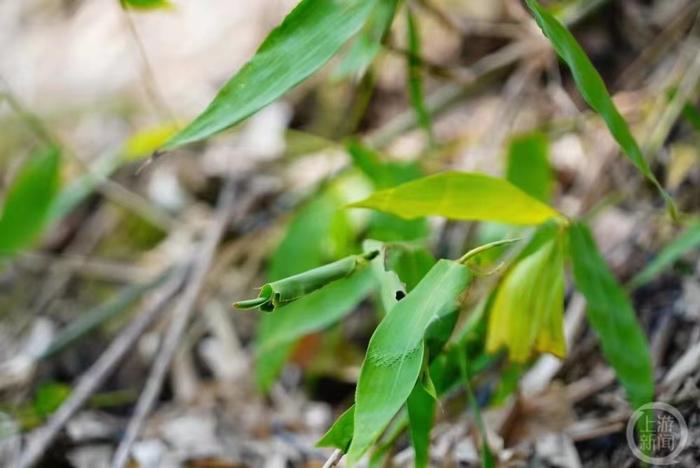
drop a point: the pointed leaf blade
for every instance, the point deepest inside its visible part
(305, 40)
(612, 317)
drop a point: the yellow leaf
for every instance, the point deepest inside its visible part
(527, 313)
(143, 143)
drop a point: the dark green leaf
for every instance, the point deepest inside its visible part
(528, 165)
(307, 38)
(593, 90)
(27, 202)
(612, 317)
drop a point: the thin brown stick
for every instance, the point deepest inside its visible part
(178, 325)
(91, 380)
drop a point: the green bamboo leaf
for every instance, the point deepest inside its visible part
(612, 317)
(28, 201)
(305, 40)
(369, 42)
(340, 433)
(461, 195)
(415, 77)
(421, 414)
(528, 165)
(687, 241)
(593, 89)
(396, 349)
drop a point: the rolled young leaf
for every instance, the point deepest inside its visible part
(593, 89)
(612, 317)
(286, 290)
(307, 38)
(461, 195)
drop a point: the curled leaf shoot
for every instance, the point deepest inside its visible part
(281, 292)
(483, 248)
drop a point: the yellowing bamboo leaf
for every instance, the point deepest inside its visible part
(307, 38)
(143, 143)
(461, 195)
(527, 312)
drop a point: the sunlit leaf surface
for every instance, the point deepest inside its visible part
(461, 195)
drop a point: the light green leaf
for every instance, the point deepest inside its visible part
(421, 414)
(28, 200)
(369, 42)
(415, 77)
(527, 311)
(612, 317)
(461, 195)
(307, 38)
(395, 352)
(340, 433)
(528, 165)
(687, 241)
(593, 89)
